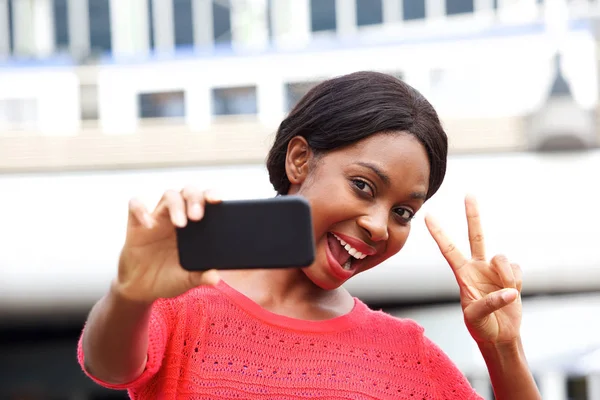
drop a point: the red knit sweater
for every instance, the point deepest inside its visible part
(215, 343)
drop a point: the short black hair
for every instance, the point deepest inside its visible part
(341, 111)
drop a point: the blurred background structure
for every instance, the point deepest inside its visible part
(102, 100)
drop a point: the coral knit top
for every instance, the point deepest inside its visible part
(215, 343)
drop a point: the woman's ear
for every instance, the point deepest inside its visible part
(297, 160)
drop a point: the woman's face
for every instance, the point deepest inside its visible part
(363, 197)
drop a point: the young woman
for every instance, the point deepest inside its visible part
(366, 150)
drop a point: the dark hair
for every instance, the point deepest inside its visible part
(341, 111)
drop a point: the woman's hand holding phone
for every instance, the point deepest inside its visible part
(149, 266)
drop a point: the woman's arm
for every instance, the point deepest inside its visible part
(509, 372)
(115, 339)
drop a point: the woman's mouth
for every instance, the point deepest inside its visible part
(345, 255)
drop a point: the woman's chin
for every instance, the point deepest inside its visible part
(321, 279)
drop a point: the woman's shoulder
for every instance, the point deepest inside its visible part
(384, 323)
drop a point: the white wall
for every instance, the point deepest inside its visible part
(61, 233)
(56, 93)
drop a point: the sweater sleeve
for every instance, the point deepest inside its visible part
(158, 333)
(450, 382)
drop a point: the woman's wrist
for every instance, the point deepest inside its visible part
(120, 297)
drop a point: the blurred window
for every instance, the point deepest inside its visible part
(269, 14)
(162, 104)
(61, 25)
(235, 101)
(88, 97)
(294, 92)
(413, 9)
(150, 7)
(18, 113)
(459, 6)
(100, 27)
(222, 22)
(322, 15)
(183, 22)
(369, 12)
(577, 388)
(10, 28)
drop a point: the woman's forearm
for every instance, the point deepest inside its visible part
(509, 371)
(115, 339)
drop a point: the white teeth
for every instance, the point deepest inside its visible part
(351, 250)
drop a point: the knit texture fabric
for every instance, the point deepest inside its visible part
(215, 343)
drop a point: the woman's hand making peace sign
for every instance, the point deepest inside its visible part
(490, 291)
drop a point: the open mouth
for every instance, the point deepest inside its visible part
(346, 255)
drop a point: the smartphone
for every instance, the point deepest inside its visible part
(246, 234)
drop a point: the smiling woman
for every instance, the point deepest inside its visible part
(366, 150)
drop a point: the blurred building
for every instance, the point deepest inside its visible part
(104, 99)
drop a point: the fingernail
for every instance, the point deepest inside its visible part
(181, 219)
(509, 295)
(195, 210)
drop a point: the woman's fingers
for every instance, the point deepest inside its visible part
(172, 206)
(479, 309)
(503, 268)
(139, 215)
(194, 200)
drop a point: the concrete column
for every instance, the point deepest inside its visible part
(392, 11)
(593, 386)
(129, 27)
(164, 32)
(203, 23)
(33, 27)
(434, 9)
(291, 22)
(23, 29)
(4, 30)
(520, 10)
(345, 17)
(271, 101)
(79, 27)
(43, 23)
(249, 24)
(199, 99)
(483, 5)
(553, 385)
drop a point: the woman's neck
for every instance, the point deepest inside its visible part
(289, 292)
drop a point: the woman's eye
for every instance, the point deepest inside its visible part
(405, 214)
(362, 186)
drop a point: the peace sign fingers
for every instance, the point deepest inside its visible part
(454, 257)
(476, 239)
